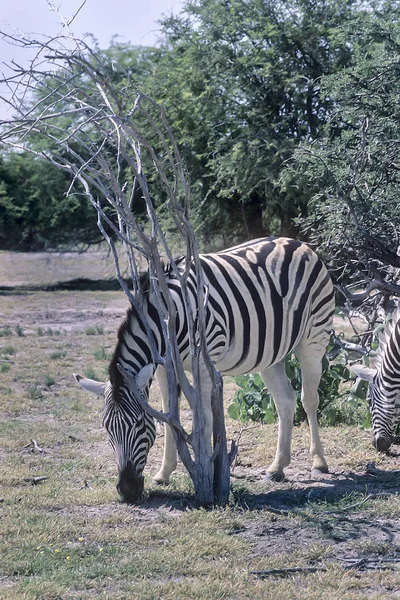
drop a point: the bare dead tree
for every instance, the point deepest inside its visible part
(113, 140)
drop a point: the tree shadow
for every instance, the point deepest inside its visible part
(328, 489)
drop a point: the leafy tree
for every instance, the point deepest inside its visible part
(355, 165)
(35, 212)
(240, 83)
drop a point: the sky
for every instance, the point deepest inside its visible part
(133, 21)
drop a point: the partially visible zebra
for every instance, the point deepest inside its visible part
(266, 298)
(384, 385)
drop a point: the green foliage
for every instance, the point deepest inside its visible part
(35, 213)
(354, 215)
(35, 392)
(340, 401)
(240, 83)
(252, 402)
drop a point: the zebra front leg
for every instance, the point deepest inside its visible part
(169, 460)
(310, 357)
(285, 401)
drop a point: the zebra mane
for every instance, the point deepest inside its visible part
(385, 335)
(116, 377)
(144, 276)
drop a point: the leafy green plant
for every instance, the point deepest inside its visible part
(252, 402)
(341, 400)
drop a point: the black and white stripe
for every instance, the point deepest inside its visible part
(384, 386)
(265, 298)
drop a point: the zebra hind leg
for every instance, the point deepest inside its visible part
(310, 357)
(285, 401)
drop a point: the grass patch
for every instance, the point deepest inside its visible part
(8, 350)
(57, 355)
(70, 537)
(49, 380)
(95, 330)
(102, 354)
(35, 392)
(5, 331)
(19, 330)
(90, 373)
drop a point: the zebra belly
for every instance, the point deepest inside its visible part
(250, 365)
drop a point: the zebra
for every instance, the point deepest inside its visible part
(266, 298)
(384, 385)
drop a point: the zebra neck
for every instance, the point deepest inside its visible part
(133, 349)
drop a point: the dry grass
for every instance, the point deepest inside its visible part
(43, 268)
(69, 537)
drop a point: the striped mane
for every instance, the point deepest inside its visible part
(116, 377)
(385, 335)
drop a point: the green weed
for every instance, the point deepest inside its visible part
(49, 380)
(5, 331)
(7, 350)
(91, 373)
(95, 330)
(19, 330)
(102, 354)
(58, 355)
(35, 393)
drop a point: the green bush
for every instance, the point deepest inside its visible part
(341, 399)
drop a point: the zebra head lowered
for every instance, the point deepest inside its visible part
(130, 429)
(384, 385)
(381, 410)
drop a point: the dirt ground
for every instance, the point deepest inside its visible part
(348, 516)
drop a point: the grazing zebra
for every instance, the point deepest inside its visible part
(384, 385)
(266, 298)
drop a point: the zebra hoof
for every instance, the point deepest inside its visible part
(319, 472)
(275, 476)
(159, 482)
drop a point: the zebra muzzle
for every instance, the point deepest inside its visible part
(130, 485)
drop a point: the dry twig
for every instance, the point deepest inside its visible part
(35, 480)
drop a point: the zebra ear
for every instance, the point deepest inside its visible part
(364, 372)
(96, 387)
(143, 377)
